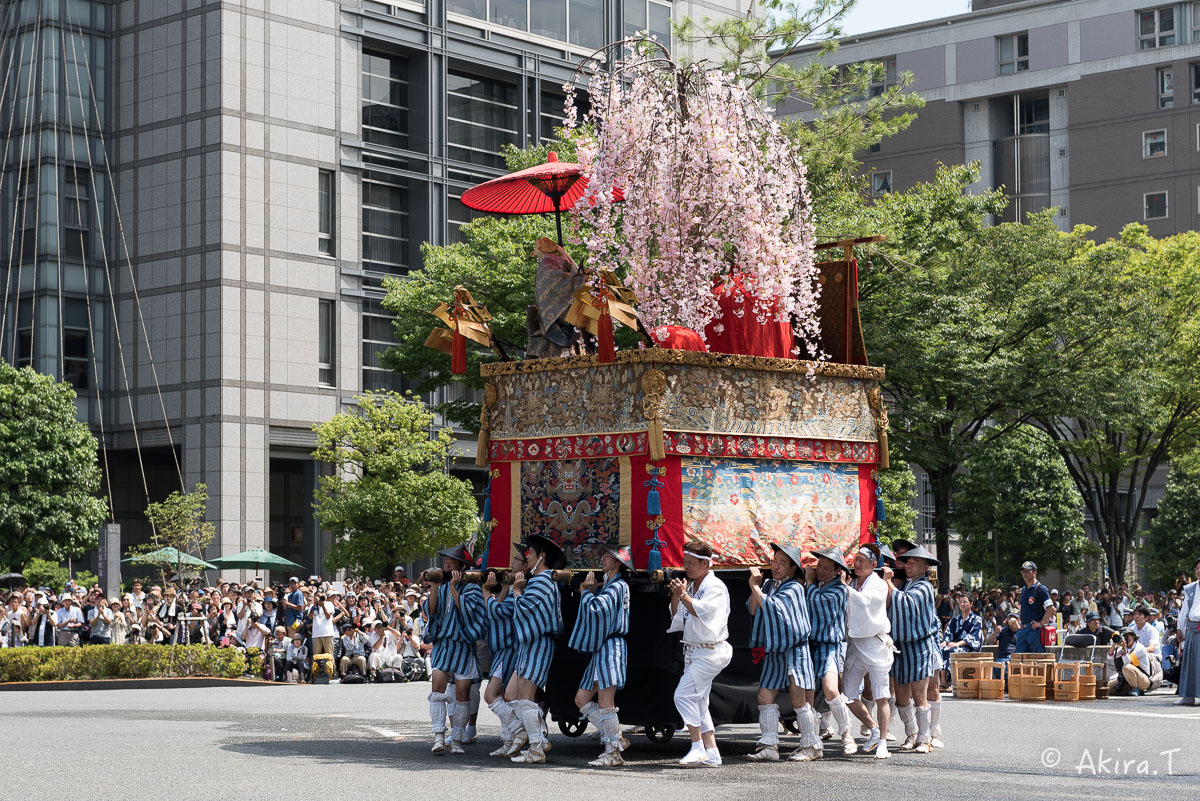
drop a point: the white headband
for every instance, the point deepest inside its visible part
(708, 559)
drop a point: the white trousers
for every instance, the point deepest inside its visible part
(700, 667)
(867, 658)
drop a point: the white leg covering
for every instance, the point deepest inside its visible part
(460, 714)
(841, 714)
(610, 728)
(935, 718)
(530, 715)
(437, 711)
(806, 719)
(923, 724)
(591, 710)
(908, 714)
(475, 697)
(504, 712)
(768, 724)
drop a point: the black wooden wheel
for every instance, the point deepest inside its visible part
(791, 726)
(573, 728)
(660, 734)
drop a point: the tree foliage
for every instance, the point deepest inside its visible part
(1174, 542)
(177, 522)
(390, 497)
(898, 489)
(44, 573)
(1019, 491)
(49, 475)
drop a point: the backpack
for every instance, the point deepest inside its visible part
(387, 675)
(353, 678)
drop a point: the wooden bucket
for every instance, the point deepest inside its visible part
(991, 689)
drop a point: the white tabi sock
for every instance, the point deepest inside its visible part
(806, 719)
(909, 715)
(713, 754)
(841, 714)
(923, 724)
(768, 723)
(437, 711)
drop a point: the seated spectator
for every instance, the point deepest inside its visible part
(297, 660)
(1136, 670)
(383, 640)
(1005, 637)
(354, 651)
(963, 634)
(278, 648)
(1094, 632)
(1146, 633)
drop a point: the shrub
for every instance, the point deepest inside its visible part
(123, 662)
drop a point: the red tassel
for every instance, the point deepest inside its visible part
(458, 356)
(604, 337)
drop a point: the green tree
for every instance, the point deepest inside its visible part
(1174, 542)
(1119, 420)
(390, 497)
(177, 522)
(44, 573)
(898, 489)
(1016, 501)
(49, 477)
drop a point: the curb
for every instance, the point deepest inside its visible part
(132, 684)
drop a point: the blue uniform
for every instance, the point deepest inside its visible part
(781, 628)
(600, 630)
(969, 629)
(913, 616)
(1034, 601)
(455, 628)
(500, 636)
(827, 640)
(537, 621)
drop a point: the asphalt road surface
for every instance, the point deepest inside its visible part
(372, 741)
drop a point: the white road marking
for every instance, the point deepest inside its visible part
(388, 733)
(1076, 707)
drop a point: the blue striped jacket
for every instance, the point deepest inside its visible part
(827, 611)
(538, 611)
(602, 614)
(968, 629)
(781, 622)
(452, 623)
(500, 622)
(912, 611)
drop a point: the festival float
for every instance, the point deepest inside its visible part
(747, 415)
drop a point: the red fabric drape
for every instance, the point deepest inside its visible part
(866, 502)
(500, 540)
(745, 335)
(676, 337)
(671, 500)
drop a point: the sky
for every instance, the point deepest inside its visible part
(874, 15)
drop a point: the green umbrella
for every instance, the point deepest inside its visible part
(257, 559)
(168, 556)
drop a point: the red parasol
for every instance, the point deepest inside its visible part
(549, 187)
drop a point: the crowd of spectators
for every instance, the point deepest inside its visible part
(1120, 624)
(364, 630)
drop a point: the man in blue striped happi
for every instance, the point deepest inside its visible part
(827, 640)
(455, 611)
(913, 615)
(600, 629)
(780, 627)
(502, 641)
(537, 620)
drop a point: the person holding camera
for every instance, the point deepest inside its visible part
(1132, 665)
(325, 615)
(354, 651)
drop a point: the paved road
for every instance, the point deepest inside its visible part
(368, 741)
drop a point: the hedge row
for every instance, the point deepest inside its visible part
(124, 662)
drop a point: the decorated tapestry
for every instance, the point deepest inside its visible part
(741, 506)
(576, 503)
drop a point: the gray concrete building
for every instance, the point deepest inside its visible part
(1091, 106)
(203, 196)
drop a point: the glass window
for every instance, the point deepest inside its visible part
(76, 212)
(1034, 115)
(327, 346)
(548, 18)
(378, 335)
(1154, 143)
(77, 344)
(385, 99)
(1014, 53)
(327, 210)
(510, 13)
(1154, 206)
(660, 22)
(471, 8)
(587, 23)
(1165, 80)
(886, 79)
(881, 182)
(1156, 28)
(1195, 70)
(634, 17)
(482, 117)
(385, 221)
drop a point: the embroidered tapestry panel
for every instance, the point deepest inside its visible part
(575, 503)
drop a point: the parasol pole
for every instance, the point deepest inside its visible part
(558, 217)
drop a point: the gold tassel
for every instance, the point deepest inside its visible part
(654, 383)
(884, 464)
(485, 418)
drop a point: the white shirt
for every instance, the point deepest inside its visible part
(1149, 637)
(710, 623)
(65, 614)
(866, 608)
(1139, 657)
(1189, 613)
(389, 643)
(323, 621)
